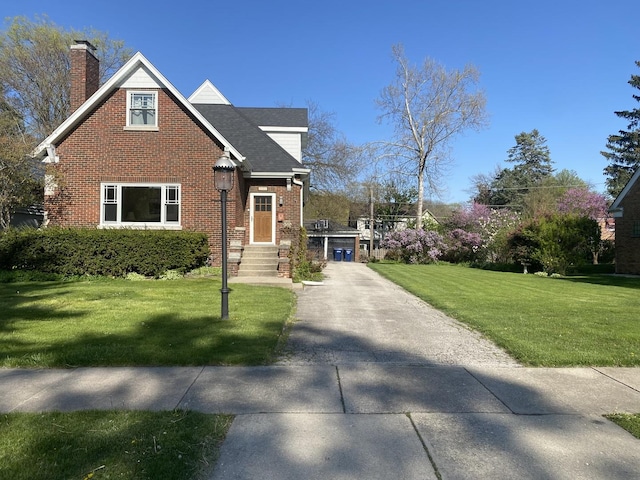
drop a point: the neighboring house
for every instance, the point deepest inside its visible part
(392, 221)
(626, 211)
(135, 153)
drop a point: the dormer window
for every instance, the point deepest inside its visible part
(142, 110)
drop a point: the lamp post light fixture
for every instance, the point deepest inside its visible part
(223, 173)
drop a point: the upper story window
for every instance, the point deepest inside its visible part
(140, 205)
(142, 109)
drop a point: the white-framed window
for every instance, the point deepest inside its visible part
(142, 109)
(140, 205)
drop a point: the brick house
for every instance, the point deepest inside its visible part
(626, 212)
(135, 153)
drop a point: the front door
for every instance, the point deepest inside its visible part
(263, 216)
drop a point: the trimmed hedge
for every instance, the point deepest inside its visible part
(112, 252)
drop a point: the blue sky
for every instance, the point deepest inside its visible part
(560, 66)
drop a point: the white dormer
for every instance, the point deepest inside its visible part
(289, 138)
(207, 93)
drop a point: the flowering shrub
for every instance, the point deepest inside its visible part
(415, 245)
(486, 236)
(584, 203)
(462, 246)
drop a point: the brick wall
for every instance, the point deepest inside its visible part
(628, 246)
(101, 150)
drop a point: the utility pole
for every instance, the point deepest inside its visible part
(371, 222)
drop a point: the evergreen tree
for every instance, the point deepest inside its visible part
(624, 146)
(531, 156)
(510, 186)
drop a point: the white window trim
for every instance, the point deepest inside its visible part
(162, 224)
(128, 125)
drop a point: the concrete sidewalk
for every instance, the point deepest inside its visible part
(376, 384)
(374, 421)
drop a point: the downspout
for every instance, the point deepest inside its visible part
(300, 183)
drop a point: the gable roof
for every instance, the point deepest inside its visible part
(616, 209)
(135, 64)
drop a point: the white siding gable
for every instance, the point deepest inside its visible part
(141, 78)
(291, 142)
(289, 138)
(207, 93)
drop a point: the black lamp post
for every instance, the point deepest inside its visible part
(223, 173)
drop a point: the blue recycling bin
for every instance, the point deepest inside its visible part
(337, 254)
(347, 255)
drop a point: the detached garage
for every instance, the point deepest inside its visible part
(332, 241)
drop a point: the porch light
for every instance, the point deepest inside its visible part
(223, 173)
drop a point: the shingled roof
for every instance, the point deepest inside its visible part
(240, 126)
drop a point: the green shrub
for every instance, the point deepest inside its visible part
(555, 242)
(69, 251)
(302, 263)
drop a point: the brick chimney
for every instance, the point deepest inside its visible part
(85, 74)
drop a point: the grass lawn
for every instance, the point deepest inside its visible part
(631, 423)
(116, 322)
(570, 321)
(108, 445)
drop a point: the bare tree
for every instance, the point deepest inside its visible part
(428, 106)
(332, 159)
(35, 69)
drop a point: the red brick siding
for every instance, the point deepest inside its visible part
(100, 150)
(627, 246)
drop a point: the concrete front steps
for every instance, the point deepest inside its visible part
(259, 266)
(259, 261)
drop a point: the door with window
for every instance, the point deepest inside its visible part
(263, 211)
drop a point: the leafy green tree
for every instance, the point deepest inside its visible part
(555, 242)
(19, 185)
(396, 202)
(543, 198)
(35, 98)
(35, 69)
(510, 186)
(623, 147)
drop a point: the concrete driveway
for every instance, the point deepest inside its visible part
(358, 316)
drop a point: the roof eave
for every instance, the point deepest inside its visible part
(616, 203)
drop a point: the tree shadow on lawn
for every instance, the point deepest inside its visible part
(160, 340)
(605, 280)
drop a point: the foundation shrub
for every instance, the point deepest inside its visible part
(69, 251)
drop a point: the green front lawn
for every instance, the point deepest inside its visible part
(570, 321)
(116, 322)
(631, 423)
(108, 445)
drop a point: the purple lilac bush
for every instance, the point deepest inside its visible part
(415, 245)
